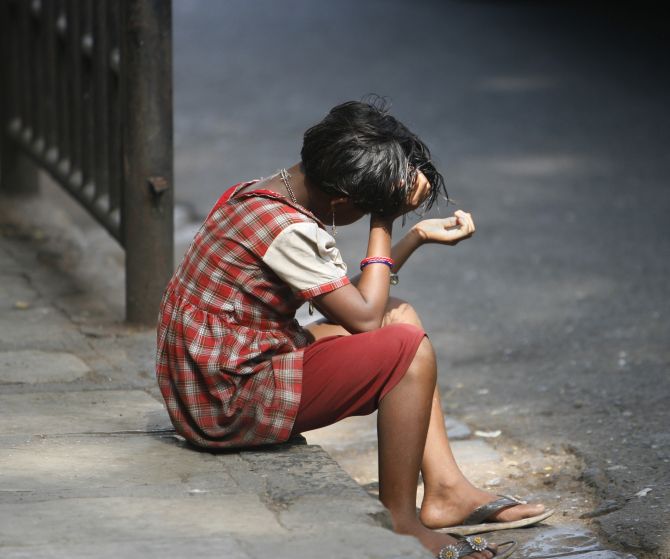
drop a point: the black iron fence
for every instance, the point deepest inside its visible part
(86, 91)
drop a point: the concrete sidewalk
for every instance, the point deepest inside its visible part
(90, 466)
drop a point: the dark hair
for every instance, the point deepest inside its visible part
(360, 151)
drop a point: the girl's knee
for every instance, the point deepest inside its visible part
(425, 355)
(423, 369)
(400, 312)
(404, 332)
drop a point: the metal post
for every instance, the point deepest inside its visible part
(147, 225)
(18, 174)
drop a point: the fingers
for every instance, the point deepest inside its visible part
(466, 221)
(421, 189)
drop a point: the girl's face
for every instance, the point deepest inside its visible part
(344, 212)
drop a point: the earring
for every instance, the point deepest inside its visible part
(333, 230)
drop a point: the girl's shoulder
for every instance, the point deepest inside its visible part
(271, 208)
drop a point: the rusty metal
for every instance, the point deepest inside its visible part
(87, 96)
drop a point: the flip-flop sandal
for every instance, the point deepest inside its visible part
(469, 545)
(475, 523)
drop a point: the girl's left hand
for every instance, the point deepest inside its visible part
(447, 231)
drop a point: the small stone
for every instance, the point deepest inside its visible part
(493, 482)
(22, 305)
(488, 434)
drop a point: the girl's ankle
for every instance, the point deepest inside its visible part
(448, 489)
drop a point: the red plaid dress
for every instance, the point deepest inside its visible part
(229, 357)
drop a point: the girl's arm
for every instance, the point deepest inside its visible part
(447, 231)
(361, 307)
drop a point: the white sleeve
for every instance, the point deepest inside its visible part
(305, 257)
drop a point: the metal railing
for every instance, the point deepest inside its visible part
(86, 91)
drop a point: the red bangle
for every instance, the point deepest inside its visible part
(377, 260)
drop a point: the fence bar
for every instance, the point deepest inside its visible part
(148, 174)
(113, 63)
(51, 81)
(88, 131)
(37, 69)
(86, 95)
(63, 90)
(101, 117)
(74, 65)
(24, 71)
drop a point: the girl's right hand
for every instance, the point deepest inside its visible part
(420, 191)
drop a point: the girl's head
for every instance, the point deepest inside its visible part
(360, 151)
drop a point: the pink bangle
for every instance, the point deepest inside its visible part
(377, 260)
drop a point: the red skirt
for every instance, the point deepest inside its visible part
(349, 375)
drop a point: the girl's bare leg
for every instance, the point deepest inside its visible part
(448, 496)
(402, 424)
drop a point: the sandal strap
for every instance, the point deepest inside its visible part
(463, 547)
(469, 545)
(480, 514)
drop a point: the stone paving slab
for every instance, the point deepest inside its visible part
(31, 366)
(340, 542)
(134, 518)
(39, 326)
(300, 471)
(209, 548)
(8, 264)
(96, 411)
(13, 289)
(99, 466)
(59, 493)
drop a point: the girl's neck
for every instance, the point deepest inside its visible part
(305, 194)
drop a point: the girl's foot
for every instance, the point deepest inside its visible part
(435, 541)
(451, 506)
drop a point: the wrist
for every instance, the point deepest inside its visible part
(416, 236)
(383, 223)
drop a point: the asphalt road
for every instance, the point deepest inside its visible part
(551, 123)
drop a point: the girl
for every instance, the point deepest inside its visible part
(236, 369)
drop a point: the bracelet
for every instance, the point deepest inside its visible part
(377, 260)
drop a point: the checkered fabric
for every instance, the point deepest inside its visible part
(229, 357)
